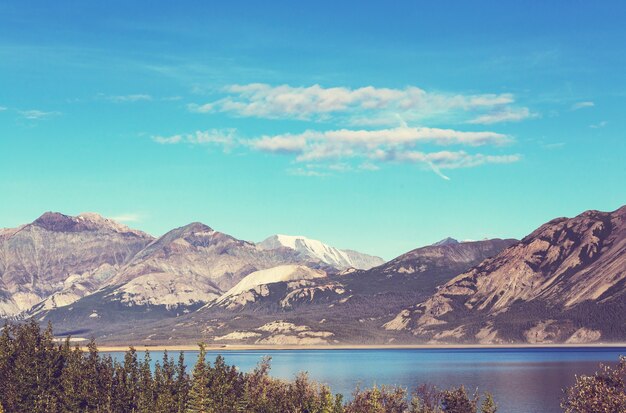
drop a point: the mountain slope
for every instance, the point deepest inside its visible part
(426, 267)
(280, 288)
(190, 265)
(564, 281)
(60, 258)
(317, 250)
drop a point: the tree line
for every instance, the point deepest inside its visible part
(40, 375)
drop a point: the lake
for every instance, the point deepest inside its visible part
(521, 380)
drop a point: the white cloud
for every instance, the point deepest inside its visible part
(599, 125)
(314, 145)
(222, 137)
(337, 147)
(582, 105)
(451, 159)
(376, 126)
(35, 114)
(280, 144)
(167, 140)
(322, 153)
(360, 106)
(3, 108)
(368, 166)
(506, 114)
(129, 98)
(437, 161)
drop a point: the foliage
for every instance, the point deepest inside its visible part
(604, 392)
(489, 404)
(40, 375)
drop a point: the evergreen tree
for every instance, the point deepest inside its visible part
(106, 384)
(145, 396)
(225, 386)
(199, 400)
(130, 378)
(458, 401)
(489, 405)
(39, 376)
(182, 385)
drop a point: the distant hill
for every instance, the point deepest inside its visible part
(565, 282)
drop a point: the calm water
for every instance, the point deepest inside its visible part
(522, 381)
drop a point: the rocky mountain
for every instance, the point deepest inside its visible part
(281, 287)
(445, 241)
(423, 269)
(318, 251)
(57, 259)
(565, 282)
(193, 264)
(347, 307)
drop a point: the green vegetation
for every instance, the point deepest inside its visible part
(39, 375)
(604, 392)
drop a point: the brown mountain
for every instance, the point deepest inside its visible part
(193, 264)
(59, 258)
(421, 270)
(566, 281)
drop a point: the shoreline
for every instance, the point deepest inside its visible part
(252, 347)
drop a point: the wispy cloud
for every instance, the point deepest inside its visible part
(368, 166)
(128, 98)
(506, 114)
(368, 134)
(451, 159)
(221, 137)
(360, 106)
(322, 153)
(3, 108)
(599, 125)
(345, 143)
(35, 114)
(555, 145)
(582, 105)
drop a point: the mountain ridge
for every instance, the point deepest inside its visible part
(564, 264)
(338, 258)
(563, 282)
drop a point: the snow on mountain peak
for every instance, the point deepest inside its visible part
(317, 250)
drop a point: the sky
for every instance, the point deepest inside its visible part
(376, 126)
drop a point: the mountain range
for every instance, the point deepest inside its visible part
(91, 276)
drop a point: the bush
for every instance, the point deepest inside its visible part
(604, 392)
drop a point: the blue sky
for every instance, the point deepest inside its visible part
(373, 126)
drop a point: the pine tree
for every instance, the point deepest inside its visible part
(106, 384)
(145, 397)
(130, 380)
(489, 405)
(199, 399)
(165, 385)
(182, 385)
